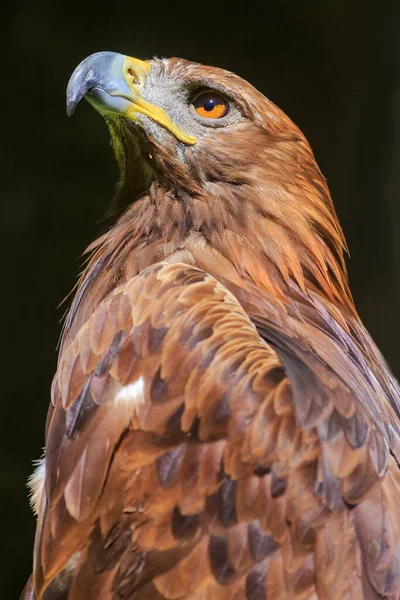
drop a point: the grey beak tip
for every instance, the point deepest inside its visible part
(91, 72)
(71, 106)
(73, 100)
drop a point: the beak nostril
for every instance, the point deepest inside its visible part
(134, 76)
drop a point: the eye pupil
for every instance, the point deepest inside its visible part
(209, 105)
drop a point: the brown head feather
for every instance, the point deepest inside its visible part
(251, 206)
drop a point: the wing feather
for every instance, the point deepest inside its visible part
(193, 452)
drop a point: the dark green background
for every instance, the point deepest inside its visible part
(333, 66)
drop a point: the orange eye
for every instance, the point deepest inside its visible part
(211, 105)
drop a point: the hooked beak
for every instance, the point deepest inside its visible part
(112, 83)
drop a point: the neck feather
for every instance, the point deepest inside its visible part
(291, 240)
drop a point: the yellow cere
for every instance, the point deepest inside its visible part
(135, 73)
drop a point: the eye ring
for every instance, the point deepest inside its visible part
(210, 105)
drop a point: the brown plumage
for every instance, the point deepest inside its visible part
(222, 426)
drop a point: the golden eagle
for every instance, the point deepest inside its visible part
(222, 426)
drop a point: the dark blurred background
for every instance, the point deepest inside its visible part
(332, 65)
